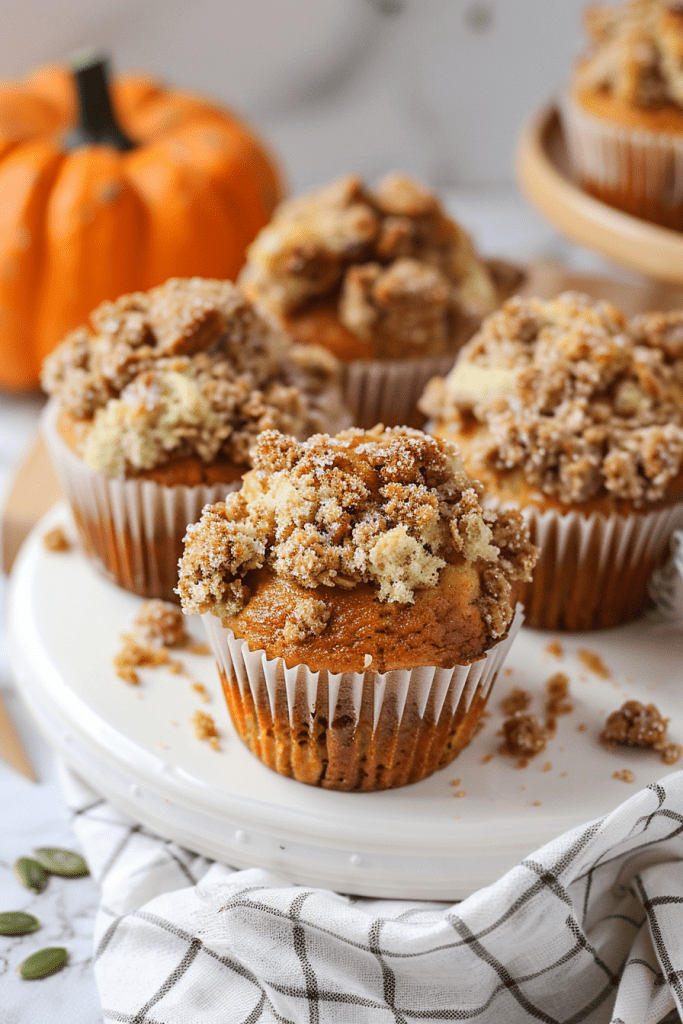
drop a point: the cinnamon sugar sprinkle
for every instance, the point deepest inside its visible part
(585, 403)
(385, 507)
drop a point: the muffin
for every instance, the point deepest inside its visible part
(384, 279)
(155, 407)
(566, 411)
(623, 111)
(358, 600)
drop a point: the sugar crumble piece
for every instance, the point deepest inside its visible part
(176, 667)
(554, 649)
(581, 727)
(523, 736)
(536, 803)
(204, 728)
(202, 691)
(164, 746)
(516, 700)
(161, 623)
(56, 540)
(563, 775)
(639, 725)
(624, 775)
(547, 767)
(197, 648)
(134, 654)
(455, 782)
(593, 662)
(459, 793)
(173, 721)
(486, 758)
(523, 762)
(556, 704)
(507, 671)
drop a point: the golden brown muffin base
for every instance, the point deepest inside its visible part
(628, 194)
(443, 627)
(347, 755)
(144, 565)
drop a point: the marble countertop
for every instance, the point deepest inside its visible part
(36, 814)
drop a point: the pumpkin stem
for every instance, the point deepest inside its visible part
(97, 125)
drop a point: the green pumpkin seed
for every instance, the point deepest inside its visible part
(42, 963)
(61, 862)
(15, 922)
(31, 874)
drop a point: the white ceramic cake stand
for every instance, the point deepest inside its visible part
(438, 839)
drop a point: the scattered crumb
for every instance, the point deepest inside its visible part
(140, 696)
(563, 775)
(516, 700)
(56, 540)
(196, 648)
(536, 803)
(556, 704)
(522, 788)
(164, 746)
(523, 735)
(507, 671)
(205, 728)
(554, 649)
(523, 762)
(639, 725)
(593, 662)
(176, 667)
(456, 816)
(134, 655)
(581, 727)
(455, 782)
(172, 721)
(160, 623)
(486, 758)
(625, 775)
(202, 691)
(547, 767)
(459, 793)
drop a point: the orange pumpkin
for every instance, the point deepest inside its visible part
(179, 189)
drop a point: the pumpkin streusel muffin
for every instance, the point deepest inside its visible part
(566, 411)
(155, 407)
(383, 278)
(358, 600)
(623, 110)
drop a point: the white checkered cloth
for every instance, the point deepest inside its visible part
(587, 929)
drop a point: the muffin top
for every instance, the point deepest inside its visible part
(384, 513)
(568, 393)
(190, 368)
(400, 275)
(636, 53)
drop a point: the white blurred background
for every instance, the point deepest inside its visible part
(436, 87)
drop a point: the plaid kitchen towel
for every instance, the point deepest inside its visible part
(587, 929)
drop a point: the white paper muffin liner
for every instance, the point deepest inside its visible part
(593, 570)
(132, 530)
(640, 171)
(387, 390)
(278, 710)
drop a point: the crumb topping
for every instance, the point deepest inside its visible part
(388, 507)
(640, 725)
(404, 276)
(56, 540)
(523, 735)
(582, 402)
(188, 368)
(636, 52)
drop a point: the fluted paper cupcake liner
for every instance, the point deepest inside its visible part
(593, 570)
(636, 170)
(387, 391)
(353, 730)
(132, 530)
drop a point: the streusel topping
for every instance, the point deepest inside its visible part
(404, 276)
(386, 507)
(636, 52)
(580, 401)
(188, 368)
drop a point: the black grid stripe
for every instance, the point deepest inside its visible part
(388, 976)
(172, 980)
(672, 976)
